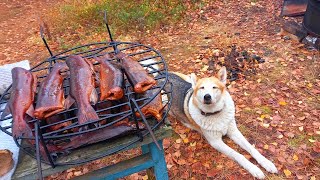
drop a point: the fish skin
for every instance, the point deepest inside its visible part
(57, 118)
(82, 87)
(111, 80)
(50, 98)
(136, 74)
(21, 100)
(153, 108)
(117, 129)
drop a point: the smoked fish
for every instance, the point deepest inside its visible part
(154, 108)
(136, 74)
(111, 79)
(20, 104)
(50, 98)
(82, 87)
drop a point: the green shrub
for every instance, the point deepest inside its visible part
(124, 16)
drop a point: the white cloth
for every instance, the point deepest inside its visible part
(6, 141)
(5, 73)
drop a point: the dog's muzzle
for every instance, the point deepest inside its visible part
(207, 99)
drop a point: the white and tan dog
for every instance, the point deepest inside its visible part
(206, 106)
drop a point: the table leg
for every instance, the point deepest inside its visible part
(160, 168)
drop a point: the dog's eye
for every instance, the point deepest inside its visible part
(214, 87)
(201, 87)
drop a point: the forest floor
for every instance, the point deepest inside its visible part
(277, 108)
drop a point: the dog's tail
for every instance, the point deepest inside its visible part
(183, 76)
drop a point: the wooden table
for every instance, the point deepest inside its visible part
(151, 157)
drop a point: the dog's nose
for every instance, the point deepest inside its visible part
(207, 97)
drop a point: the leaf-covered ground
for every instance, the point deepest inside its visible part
(278, 108)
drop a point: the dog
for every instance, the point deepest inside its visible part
(206, 106)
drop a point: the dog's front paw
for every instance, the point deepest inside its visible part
(269, 166)
(256, 172)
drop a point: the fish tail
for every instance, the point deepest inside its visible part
(87, 114)
(22, 130)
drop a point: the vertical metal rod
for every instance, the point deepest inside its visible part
(45, 148)
(146, 122)
(47, 46)
(136, 121)
(44, 41)
(109, 32)
(38, 150)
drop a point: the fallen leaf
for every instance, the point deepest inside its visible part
(315, 91)
(287, 172)
(282, 103)
(220, 166)
(182, 136)
(280, 136)
(276, 118)
(145, 177)
(295, 157)
(166, 143)
(177, 154)
(274, 143)
(193, 144)
(212, 172)
(289, 134)
(248, 156)
(266, 125)
(205, 68)
(312, 140)
(186, 140)
(178, 141)
(301, 176)
(266, 146)
(282, 159)
(207, 165)
(316, 147)
(306, 161)
(182, 162)
(196, 166)
(301, 128)
(259, 80)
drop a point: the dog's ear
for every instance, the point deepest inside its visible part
(222, 75)
(193, 80)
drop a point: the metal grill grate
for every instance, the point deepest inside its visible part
(111, 112)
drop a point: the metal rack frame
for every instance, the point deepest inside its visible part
(133, 101)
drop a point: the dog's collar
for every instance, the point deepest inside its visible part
(210, 113)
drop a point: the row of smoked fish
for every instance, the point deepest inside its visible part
(50, 98)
